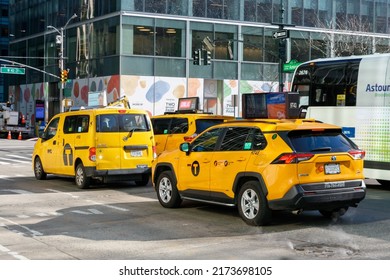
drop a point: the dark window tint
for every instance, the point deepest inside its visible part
(179, 125)
(207, 141)
(76, 124)
(321, 141)
(236, 139)
(161, 126)
(243, 139)
(203, 124)
(170, 125)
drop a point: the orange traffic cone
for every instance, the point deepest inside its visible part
(20, 136)
(9, 137)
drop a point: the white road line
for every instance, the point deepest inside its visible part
(18, 191)
(33, 232)
(21, 157)
(16, 160)
(109, 206)
(55, 191)
(81, 212)
(11, 253)
(95, 211)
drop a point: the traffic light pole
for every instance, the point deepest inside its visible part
(281, 35)
(61, 58)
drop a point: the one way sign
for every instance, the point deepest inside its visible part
(281, 34)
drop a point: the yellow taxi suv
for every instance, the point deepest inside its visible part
(171, 129)
(105, 144)
(261, 166)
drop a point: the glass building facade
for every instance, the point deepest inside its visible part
(144, 48)
(4, 41)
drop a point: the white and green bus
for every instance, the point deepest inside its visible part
(354, 93)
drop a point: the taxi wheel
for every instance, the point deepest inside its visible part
(167, 193)
(253, 205)
(81, 179)
(39, 173)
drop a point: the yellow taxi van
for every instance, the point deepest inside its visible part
(111, 143)
(173, 128)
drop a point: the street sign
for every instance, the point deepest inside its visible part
(13, 70)
(281, 34)
(290, 66)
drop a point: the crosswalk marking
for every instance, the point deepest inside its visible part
(8, 159)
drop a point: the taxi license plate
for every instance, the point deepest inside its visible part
(332, 168)
(136, 153)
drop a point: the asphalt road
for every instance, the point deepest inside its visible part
(53, 220)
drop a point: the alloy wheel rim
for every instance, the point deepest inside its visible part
(250, 204)
(165, 190)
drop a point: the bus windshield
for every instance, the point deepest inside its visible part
(327, 84)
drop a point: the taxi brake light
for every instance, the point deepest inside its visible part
(121, 111)
(154, 152)
(189, 138)
(292, 158)
(357, 154)
(92, 154)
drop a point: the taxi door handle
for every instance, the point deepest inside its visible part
(241, 159)
(54, 142)
(206, 160)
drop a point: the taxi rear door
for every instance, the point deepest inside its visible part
(108, 142)
(136, 141)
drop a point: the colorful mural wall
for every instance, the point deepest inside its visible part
(154, 94)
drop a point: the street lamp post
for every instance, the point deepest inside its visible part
(60, 40)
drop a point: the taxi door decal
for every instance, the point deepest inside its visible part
(195, 168)
(68, 155)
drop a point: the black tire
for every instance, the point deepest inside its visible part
(335, 213)
(166, 189)
(39, 172)
(81, 179)
(144, 181)
(253, 205)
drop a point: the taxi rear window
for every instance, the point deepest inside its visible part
(122, 123)
(320, 141)
(203, 124)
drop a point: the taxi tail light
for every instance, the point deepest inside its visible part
(189, 138)
(357, 154)
(154, 151)
(92, 154)
(288, 158)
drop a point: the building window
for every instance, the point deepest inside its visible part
(222, 9)
(143, 40)
(253, 44)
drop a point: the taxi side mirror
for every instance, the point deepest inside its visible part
(185, 147)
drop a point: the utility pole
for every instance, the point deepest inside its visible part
(60, 40)
(281, 35)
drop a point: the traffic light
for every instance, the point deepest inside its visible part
(282, 50)
(196, 55)
(64, 76)
(206, 57)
